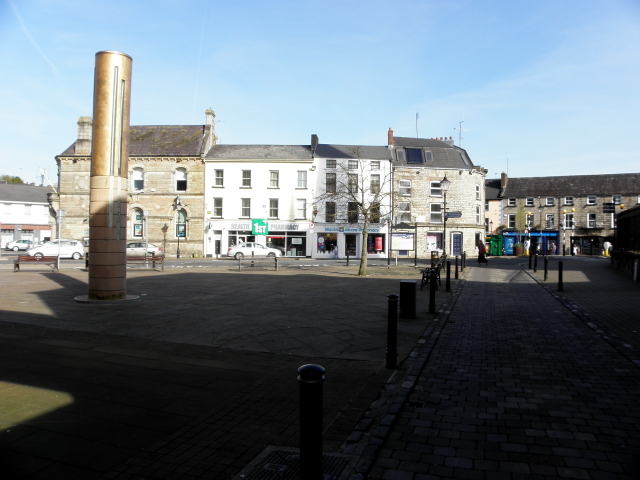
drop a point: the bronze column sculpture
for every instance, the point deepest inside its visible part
(109, 177)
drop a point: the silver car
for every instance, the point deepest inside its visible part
(18, 245)
(62, 247)
(252, 248)
(139, 249)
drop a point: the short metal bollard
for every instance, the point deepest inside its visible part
(546, 268)
(456, 277)
(432, 293)
(535, 263)
(530, 261)
(448, 284)
(392, 331)
(311, 378)
(560, 285)
(463, 261)
(347, 258)
(408, 298)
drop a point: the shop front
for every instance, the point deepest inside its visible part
(337, 242)
(289, 238)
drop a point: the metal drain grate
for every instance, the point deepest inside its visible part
(281, 463)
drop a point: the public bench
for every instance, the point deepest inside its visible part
(257, 263)
(149, 261)
(437, 264)
(51, 260)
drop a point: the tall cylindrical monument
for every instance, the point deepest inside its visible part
(109, 177)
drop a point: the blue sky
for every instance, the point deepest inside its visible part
(544, 87)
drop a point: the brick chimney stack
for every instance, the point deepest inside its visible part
(390, 137)
(83, 143)
(503, 180)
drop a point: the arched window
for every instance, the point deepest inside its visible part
(137, 223)
(181, 180)
(181, 224)
(138, 179)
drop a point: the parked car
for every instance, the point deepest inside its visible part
(138, 249)
(249, 248)
(277, 247)
(62, 247)
(18, 245)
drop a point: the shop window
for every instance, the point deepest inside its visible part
(352, 212)
(138, 223)
(273, 208)
(331, 182)
(246, 178)
(245, 211)
(375, 243)
(219, 180)
(217, 207)
(330, 208)
(138, 179)
(327, 243)
(181, 180)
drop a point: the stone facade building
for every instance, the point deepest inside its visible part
(420, 203)
(574, 214)
(166, 185)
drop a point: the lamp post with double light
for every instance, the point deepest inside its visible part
(445, 184)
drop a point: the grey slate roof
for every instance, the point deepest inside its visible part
(444, 154)
(23, 193)
(573, 185)
(259, 152)
(161, 140)
(492, 189)
(352, 151)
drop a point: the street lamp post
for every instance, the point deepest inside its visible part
(445, 184)
(540, 226)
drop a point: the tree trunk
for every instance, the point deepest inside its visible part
(362, 271)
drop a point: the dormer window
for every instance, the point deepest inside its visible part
(414, 155)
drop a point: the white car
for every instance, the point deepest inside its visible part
(18, 245)
(138, 249)
(252, 248)
(62, 247)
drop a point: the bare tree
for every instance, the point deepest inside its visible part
(356, 193)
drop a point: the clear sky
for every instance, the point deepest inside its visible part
(544, 87)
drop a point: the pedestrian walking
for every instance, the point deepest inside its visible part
(482, 253)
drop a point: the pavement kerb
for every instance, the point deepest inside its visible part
(614, 340)
(371, 432)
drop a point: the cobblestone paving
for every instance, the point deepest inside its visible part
(517, 386)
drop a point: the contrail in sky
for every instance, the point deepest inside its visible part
(56, 72)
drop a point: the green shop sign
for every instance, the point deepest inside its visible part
(259, 226)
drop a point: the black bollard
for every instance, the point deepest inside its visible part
(560, 285)
(535, 263)
(311, 378)
(347, 258)
(432, 293)
(408, 298)
(392, 331)
(456, 268)
(448, 284)
(86, 261)
(546, 268)
(530, 261)
(463, 261)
